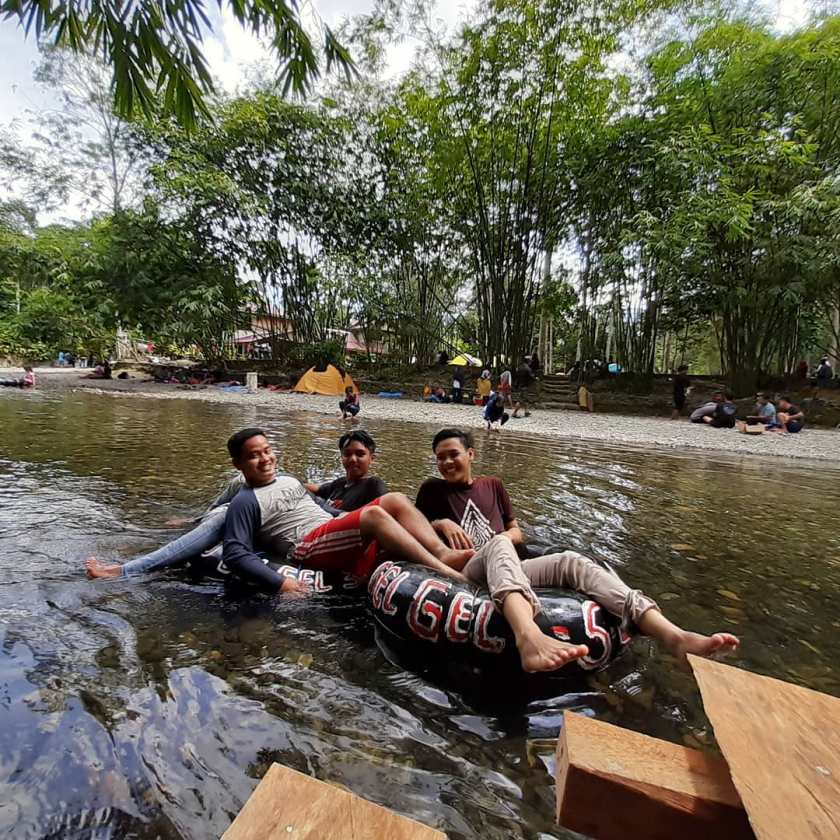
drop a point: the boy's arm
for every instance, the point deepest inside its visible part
(242, 524)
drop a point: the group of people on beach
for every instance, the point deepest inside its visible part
(720, 410)
(494, 401)
(461, 526)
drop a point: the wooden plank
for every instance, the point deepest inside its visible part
(782, 744)
(292, 806)
(614, 784)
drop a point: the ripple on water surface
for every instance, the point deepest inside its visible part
(149, 708)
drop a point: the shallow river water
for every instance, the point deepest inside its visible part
(150, 708)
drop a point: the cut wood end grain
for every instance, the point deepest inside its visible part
(613, 783)
(287, 805)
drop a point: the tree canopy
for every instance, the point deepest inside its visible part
(531, 184)
(155, 49)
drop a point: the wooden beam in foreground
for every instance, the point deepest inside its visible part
(287, 805)
(614, 784)
(782, 744)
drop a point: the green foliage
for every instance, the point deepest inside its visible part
(155, 48)
(319, 353)
(692, 195)
(710, 202)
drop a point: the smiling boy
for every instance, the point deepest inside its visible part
(279, 514)
(356, 487)
(476, 512)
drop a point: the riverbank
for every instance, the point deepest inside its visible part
(816, 444)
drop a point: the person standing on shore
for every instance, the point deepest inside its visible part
(825, 373)
(682, 385)
(457, 387)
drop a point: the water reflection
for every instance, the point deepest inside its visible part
(148, 708)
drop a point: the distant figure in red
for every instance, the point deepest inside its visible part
(26, 381)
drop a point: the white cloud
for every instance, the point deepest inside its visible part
(790, 14)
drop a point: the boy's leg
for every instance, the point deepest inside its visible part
(206, 534)
(350, 542)
(412, 521)
(634, 608)
(381, 526)
(497, 567)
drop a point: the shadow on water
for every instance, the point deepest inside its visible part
(148, 708)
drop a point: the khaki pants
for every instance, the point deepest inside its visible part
(497, 567)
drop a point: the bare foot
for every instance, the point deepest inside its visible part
(539, 652)
(456, 559)
(701, 645)
(95, 569)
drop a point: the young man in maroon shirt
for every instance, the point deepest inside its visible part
(475, 512)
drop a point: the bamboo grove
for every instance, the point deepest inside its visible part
(655, 183)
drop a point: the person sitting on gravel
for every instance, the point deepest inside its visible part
(705, 410)
(470, 512)
(723, 417)
(26, 381)
(350, 404)
(765, 411)
(356, 487)
(101, 371)
(438, 395)
(789, 418)
(719, 412)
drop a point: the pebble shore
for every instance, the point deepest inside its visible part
(814, 444)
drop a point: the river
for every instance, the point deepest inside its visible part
(149, 708)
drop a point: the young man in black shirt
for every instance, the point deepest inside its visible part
(355, 488)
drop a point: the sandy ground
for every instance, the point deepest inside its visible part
(816, 444)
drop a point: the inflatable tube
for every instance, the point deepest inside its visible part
(429, 613)
(211, 565)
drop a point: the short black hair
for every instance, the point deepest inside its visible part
(359, 435)
(728, 395)
(237, 440)
(463, 435)
(682, 367)
(786, 399)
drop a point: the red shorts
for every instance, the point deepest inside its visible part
(338, 545)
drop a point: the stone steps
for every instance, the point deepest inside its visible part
(558, 406)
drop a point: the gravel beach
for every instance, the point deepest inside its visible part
(814, 444)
